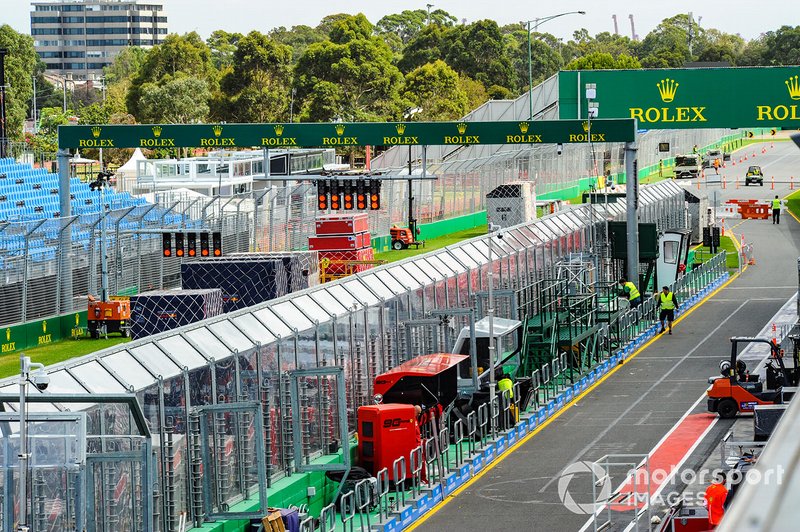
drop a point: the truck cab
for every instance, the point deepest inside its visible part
(507, 340)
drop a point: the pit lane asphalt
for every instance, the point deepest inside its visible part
(631, 411)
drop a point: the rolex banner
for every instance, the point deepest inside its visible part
(336, 134)
(688, 97)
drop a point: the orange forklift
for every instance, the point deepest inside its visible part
(736, 390)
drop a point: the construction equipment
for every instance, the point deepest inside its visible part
(739, 391)
(754, 175)
(403, 237)
(107, 314)
(106, 317)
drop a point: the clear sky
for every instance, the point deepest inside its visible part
(745, 17)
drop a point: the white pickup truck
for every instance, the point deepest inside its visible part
(687, 166)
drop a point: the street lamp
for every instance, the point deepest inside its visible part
(30, 372)
(64, 81)
(536, 23)
(429, 6)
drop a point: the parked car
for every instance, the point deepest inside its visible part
(754, 175)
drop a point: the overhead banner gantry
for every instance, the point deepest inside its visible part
(335, 134)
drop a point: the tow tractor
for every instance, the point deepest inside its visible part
(737, 390)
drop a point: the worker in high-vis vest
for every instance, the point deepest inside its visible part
(668, 303)
(506, 388)
(629, 289)
(776, 211)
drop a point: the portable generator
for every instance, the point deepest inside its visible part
(386, 432)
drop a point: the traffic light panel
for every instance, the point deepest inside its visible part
(204, 244)
(323, 189)
(374, 194)
(216, 243)
(191, 244)
(361, 195)
(336, 197)
(348, 198)
(179, 250)
(166, 244)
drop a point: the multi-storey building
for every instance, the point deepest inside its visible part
(80, 37)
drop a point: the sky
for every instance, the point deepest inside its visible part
(747, 18)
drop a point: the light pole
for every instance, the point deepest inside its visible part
(429, 6)
(64, 81)
(536, 23)
(41, 381)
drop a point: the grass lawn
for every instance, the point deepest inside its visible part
(432, 244)
(793, 203)
(702, 253)
(58, 352)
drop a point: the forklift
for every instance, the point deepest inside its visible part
(106, 315)
(736, 390)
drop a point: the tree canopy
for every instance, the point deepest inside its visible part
(347, 68)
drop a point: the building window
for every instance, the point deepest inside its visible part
(96, 66)
(45, 20)
(73, 55)
(45, 31)
(74, 66)
(73, 31)
(50, 55)
(72, 20)
(71, 7)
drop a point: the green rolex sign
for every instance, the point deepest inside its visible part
(688, 97)
(343, 134)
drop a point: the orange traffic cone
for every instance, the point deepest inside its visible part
(791, 182)
(737, 183)
(773, 183)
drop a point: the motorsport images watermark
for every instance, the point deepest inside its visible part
(645, 482)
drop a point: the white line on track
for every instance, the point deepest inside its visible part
(641, 397)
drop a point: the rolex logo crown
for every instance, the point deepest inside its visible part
(400, 128)
(794, 87)
(523, 127)
(667, 89)
(340, 129)
(461, 127)
(278, 130)
(585, 125)
(96, 131)
(156, 131)
(217, 131)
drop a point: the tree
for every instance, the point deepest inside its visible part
(478, 52)
(668, 43)
(351, 77)
(408, 24)
(182, 100)
(46, 138)
(782, 47)
(222, 46)
(178, 56)
(22, 64)
(298, 38)
(125, 66)
(326, 24)
(475, 91)
(426, 47)
(544, 60)
(603, 61)
(258, 87)
(435, 89)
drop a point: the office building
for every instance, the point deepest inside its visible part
(80, 37)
